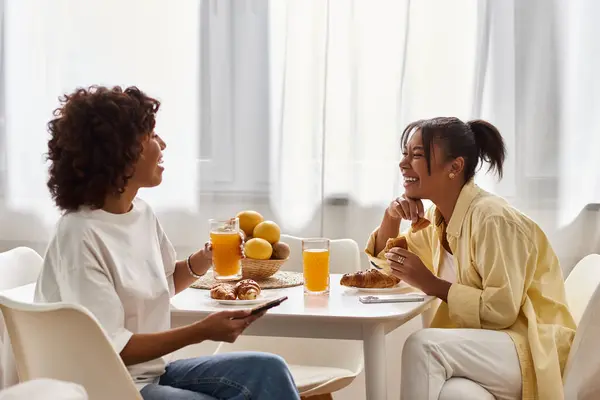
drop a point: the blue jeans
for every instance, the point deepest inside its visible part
(231, 376)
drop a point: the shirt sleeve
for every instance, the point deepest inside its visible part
(87, 283)
(168, 255)
(419, 243)
(501, 254)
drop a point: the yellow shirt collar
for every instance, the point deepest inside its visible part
(468, 193)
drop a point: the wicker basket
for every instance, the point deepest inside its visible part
(260, 269)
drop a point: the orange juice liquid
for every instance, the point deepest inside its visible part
(316, 269)
(226, 255)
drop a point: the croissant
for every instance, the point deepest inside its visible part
(223, 291)
(369, 279)
(396, 242)
(421, 223)
(247, 289)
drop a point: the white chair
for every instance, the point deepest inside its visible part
(65, 342)
(40, 389)
(319, 366)
(19, 266)
(581, 284)
(581, 373)
(463, 389)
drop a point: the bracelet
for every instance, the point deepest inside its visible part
(189, 265)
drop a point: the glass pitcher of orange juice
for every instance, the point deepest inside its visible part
(315, 262)
(226, 253)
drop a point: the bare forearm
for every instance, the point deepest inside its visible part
(389, 228)
(149, 346)
(440, 289)
(182, 277)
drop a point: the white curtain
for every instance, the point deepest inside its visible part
(205, 60)
(51, 48)
(294, 108)
(580, 100)
(54, 47)
(347, 76)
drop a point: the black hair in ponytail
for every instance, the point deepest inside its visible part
(476, 141)
(490, 144)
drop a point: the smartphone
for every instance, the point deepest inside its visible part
(268, 305)
(397, 298)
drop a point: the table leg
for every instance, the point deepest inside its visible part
(375, 361)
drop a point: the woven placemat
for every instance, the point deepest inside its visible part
(281, 279)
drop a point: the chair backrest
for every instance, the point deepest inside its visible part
(581, 284)
(19, 267)
(344, 255)
(583, 365)
(65, 342)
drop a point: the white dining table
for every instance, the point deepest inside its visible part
(339, 315)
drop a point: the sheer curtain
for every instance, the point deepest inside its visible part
(295, 107)
(348, 76)
(70, 44)
(205, 60)
(580, 125)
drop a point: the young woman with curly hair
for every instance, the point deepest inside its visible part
(110, 254)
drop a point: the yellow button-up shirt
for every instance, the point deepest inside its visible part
(507, 278)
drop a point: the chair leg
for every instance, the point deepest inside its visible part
(327, 396)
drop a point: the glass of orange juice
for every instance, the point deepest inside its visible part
(226, 254)
(315, 261)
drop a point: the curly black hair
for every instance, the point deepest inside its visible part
(95, 142)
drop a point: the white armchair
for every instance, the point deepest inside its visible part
(65, 342)
(19, 266)
(583, 366)
(44, 389)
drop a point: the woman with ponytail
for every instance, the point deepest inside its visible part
(502, 319)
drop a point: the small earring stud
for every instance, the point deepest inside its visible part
(451, 176)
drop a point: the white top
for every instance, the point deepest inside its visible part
(118, 266)
(447, 270)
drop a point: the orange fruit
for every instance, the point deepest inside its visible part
(258, 249)
(267, 230)
(248, 221)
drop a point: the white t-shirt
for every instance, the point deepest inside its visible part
(118, 266)
(447, 270)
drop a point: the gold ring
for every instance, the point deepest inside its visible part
(401, 260)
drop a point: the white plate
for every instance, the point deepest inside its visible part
(262, 298)
(378, 290)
